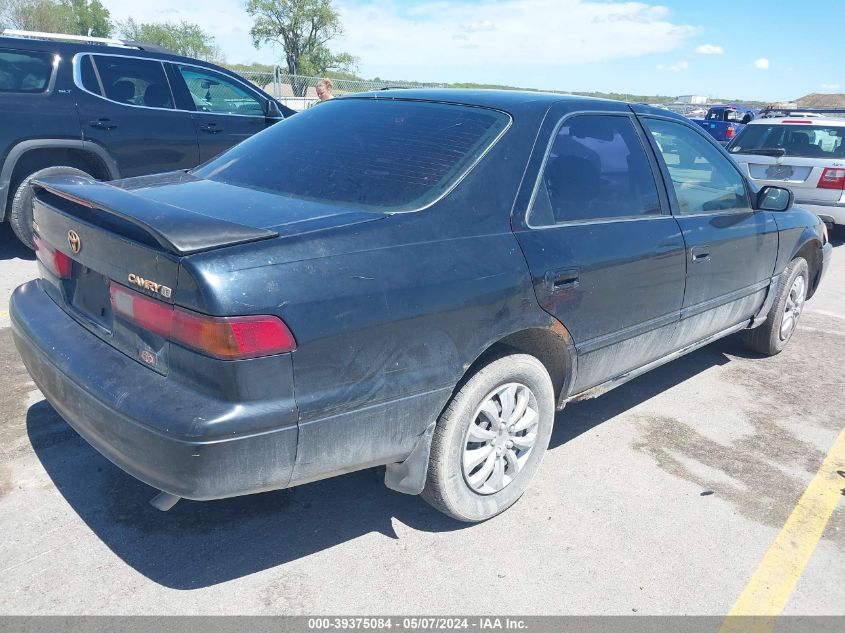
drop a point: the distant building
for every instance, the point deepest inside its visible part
(692, 99)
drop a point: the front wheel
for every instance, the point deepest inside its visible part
(489, 441)
(771, 337)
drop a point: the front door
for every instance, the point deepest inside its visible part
(126, 106)
(606, 256)
(731, 249)
(227, 112)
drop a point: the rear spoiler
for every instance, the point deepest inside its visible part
(176, 230)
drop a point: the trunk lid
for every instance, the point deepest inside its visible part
(137, 232)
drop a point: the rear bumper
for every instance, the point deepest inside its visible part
(128, 412)
(830, 212)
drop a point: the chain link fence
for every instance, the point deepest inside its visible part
(300, 92)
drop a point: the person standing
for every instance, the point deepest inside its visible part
(324, 89)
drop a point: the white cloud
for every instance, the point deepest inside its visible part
(510, 37)
(675, 68)
(830, 86)
(496, 41)
(762, 63)
(483, 25)
(709, 49)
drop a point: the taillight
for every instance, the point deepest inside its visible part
(832, 179)
(729, 132)
(229, 338)
(54, 260)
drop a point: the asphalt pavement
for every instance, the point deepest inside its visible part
(660, 497)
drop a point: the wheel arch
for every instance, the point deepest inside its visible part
(30, 156)
(551, 345)
(811, 251)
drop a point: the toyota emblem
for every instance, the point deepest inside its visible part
(73, 241)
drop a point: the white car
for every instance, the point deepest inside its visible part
(806, 155)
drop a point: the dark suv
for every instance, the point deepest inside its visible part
(113, 111)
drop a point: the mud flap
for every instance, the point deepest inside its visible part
(409, 476)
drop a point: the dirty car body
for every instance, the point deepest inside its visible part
(277, 317)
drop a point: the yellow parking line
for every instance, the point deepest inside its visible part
(768, 590)
(4, 314)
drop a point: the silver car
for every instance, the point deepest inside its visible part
(804, 154)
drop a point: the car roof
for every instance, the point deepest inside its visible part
(64, 48)
(508, 100)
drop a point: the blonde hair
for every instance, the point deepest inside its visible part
(326, 83)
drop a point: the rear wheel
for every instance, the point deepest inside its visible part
(20, 212)
(489, 441)
(771, 337)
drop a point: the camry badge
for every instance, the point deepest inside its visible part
(73, 241)
(148, 284)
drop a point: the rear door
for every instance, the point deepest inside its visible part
(606, 257)
(226, 111)
(126, 105)
(36, 101)
(731, 249)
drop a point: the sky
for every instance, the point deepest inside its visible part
(768, 51)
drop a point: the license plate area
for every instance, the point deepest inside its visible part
(779, 172)
(89, 296)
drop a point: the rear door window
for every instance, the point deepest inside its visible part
(25, 71)
(597, 169)
(385, 154)
(139, 82)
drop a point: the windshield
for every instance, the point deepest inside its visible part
(804, 141)
(384, 154)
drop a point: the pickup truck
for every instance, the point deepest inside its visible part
(724, 122)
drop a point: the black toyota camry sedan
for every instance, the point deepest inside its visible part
(416, 279)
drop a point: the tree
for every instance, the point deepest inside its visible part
(302, 28)
(74, 17)
(90, 17)
(36, 15)
(184, 38)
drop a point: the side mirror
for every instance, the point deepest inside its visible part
(775, 199)
(271, 109)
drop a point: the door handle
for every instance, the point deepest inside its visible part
(103, 124)
(210, 128)
(562, 279)
(700, 254)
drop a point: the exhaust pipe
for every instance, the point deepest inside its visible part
(164, 501)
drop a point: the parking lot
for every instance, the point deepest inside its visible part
(660, 497)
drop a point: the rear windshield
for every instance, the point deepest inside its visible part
(390, 155)
(25, 71)
(804, 141)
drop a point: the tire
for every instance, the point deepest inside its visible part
(771, 337)
(20, 212)
(470, 491)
